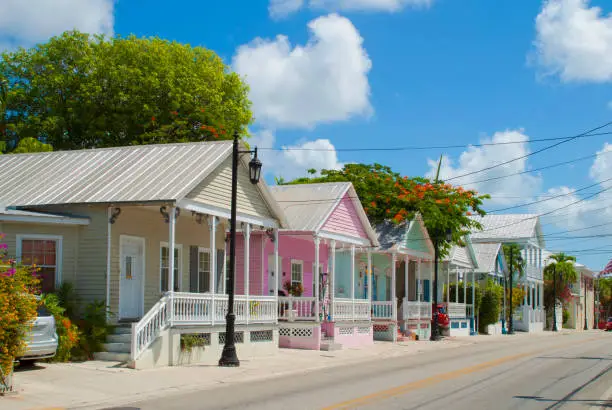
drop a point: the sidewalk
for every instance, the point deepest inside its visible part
(105, 384)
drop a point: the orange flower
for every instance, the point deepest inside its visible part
(398, 217)
(468, 213)
(66, 323)
(373, 204)
(153, 119)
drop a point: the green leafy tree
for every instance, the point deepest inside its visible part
(604, 286)
(81, 91)
(490, 305)
(517, 266)
(562, 266)
(387, 195)
(29, 145)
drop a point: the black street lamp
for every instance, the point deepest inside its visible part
(586, 327)
(229, 358)
(435, 330)
(554, 272)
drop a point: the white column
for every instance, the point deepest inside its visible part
(465, 287)
(448, 284)
(213, 263)
(247, 256)
(109, 224)
(393, 286)
(353, 281)
(457, 286)
(406, 276)
(317, 242)
(370, 276)
(171, 246)
(332, 281)
(213, 254)
(277, 273)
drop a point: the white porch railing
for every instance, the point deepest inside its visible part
(416, 310)
(469, 311)
(351, 309)
(382, 309)
(197, 309)
(456, 310)
(296, 308)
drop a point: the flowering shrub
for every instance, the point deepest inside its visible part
(67, 332)
(295, 289)
(18, 284)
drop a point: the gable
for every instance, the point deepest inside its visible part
(344, 220)
(216, 190)
(415, 238)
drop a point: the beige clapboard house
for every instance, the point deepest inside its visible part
(105, 219)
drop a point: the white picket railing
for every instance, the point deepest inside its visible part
(148, 328)
(296, 308)
(456, 310)
(351, 309)
(196, 309)
(416, 310)
(382, 309)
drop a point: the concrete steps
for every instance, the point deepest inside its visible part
(118, 345)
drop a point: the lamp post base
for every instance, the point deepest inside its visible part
(229, 358)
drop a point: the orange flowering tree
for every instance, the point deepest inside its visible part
(67, 332)
(17, 311)
(387, 195)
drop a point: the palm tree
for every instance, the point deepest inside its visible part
(516, 265)
(561, 266)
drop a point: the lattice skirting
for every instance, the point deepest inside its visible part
(384, 331)
(238, 337)
(296, 331)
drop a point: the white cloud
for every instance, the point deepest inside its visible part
(323, 81)
(514, 189)
(24, 23)
(574, 41)
(294, 160)
(602, 166)
(282, 8)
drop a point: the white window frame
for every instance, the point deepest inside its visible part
(301, 264)
(179, 247)
(207, 251)
(59, 251)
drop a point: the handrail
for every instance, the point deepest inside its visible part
(147, 329)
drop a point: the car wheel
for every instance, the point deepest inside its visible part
(27, 363)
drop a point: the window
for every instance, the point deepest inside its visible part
(164, 265)
(297, 269)
(203, 270)
(44, 252)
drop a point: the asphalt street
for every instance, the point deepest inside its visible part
(569, 371)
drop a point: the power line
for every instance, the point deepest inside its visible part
(531, 153)
(549, 198)
(435, 147)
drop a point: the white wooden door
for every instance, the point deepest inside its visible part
(132, 269)
(272, 276)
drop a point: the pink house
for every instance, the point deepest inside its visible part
(326, 227)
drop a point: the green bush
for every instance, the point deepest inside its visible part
(566, 316)
(490, 308)
(94, 329)
(67, 332)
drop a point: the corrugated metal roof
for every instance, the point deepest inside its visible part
(142, 173)
(486, 256)
(390, 234)
(511, 226)
(307, 206)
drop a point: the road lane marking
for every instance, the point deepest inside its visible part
(436, 379)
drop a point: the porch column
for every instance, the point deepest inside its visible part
(317, 242)
(457, 286)
(171, 246)
(370, 284)
(474, 297)
(213, 263)
(448, 283)
(353, 280)
(277, 274)
(247, 254)
(393, 286)
(464, 279)
(332, 280)
(406, 275)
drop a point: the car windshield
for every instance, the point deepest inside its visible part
(610, 319)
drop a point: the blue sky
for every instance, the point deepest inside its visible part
(387, 73)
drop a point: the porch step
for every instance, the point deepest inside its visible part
(112, 356)
(122, 330)
(117, 347)
(120, 338)
(330, 346)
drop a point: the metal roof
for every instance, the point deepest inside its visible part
(16, 215)
(486, 256)
(307, 206)
(508, 227)
(144, 173)
(390, 234)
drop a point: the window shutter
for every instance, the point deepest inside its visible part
(193, 269)
(220, 263)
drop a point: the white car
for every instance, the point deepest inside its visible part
(42, 340)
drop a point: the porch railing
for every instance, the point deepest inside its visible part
(351, 309)
(382, 309)
(416, 310)
(469, 311)
(196, 309)
(293, 308)
(456, 310)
